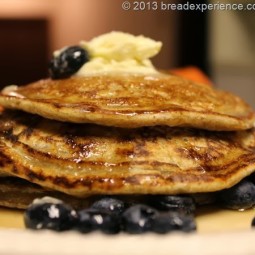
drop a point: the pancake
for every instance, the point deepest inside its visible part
(5, 165)
(18, 193)
(86, 159)
(131, 101)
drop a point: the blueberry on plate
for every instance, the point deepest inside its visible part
(166, 222)
(239, 197)
(253, 222)
(48, 215)
(138, 218)
(110, 205)
(94, 219)
(180, 203)
(68, 62)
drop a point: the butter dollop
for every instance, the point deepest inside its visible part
(118, 52)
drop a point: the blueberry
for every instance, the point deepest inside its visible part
(93, 219)
(172, 221)
(253, 222)
(180, 203)
(53, 216)
(110, 205)
(239, 197)
(68, 62)
(137, 219)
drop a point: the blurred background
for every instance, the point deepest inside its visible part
(221, 43)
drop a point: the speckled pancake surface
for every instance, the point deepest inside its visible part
(84, 159)
(131, 101)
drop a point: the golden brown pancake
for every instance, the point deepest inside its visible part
(85, 159)
(18, 193)
(132, 101)
(5, 165)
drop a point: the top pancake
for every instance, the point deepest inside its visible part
(132, 101)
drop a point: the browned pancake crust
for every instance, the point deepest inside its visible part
(82, 159)
(18, 193)
(5, 165)
(132, 101)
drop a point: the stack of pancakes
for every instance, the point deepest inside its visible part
(79, 137)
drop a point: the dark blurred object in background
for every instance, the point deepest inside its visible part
(194, 38)
(23, 50)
